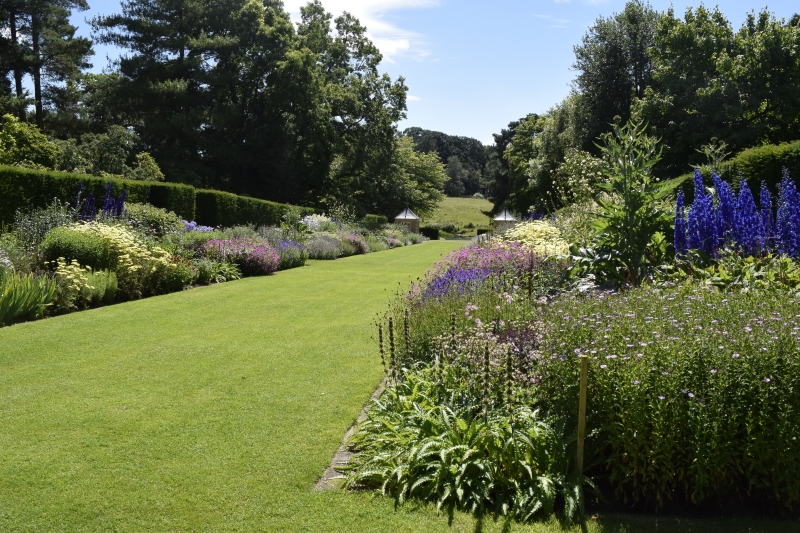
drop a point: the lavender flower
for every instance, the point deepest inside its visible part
(456, 281)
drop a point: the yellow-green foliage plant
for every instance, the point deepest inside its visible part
(541, 237)
(24, 296)
(141, 269)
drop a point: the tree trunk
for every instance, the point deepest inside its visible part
(37, 71)
(12, 19)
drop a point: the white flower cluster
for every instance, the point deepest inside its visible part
(5, 262)
(540, 236)
(312, 222)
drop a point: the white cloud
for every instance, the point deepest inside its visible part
(556, 23)
(391, 40)
(413, 98)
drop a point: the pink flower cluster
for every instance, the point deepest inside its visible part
(253, 256)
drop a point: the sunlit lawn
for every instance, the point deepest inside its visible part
(462, 211)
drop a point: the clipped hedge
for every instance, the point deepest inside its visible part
(757, 164)
(374, 222)
(217, 208)
(429, 233)
(22, 188)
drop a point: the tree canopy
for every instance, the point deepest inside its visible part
(227, 95)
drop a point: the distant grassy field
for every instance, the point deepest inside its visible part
(462, 211)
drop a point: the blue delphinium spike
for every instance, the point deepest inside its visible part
(767, 219)
(702, 224)
(726, 210)
(748, 224)
(107, 201)
(119, 205)
(680, 226)
(788, 216)
(694, 239)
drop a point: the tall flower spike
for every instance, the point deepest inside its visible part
(702, 227)
(788, 217)
(748, 223)
(726, 210)
(767, 219)
(680, 226)
(392, 359)
(380, 347)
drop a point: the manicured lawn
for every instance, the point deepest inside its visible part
(463, 211)
(214, 409)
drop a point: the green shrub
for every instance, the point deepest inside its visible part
(190, 244)
(22, 189)
(377, 243)
(430, 233)
(733, 272)
(757, 164)
(142, 269)
(24, 296)
(87, 249)
(175, 279)
(152, 221)
(375, 222)
(14, 254)
(210, 271)
(217, 208)
(104, 287)
(236, 232)
(31, 226)
(447, 226)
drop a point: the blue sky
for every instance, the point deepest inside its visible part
(473, 66)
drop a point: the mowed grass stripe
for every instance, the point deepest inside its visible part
(180, 410)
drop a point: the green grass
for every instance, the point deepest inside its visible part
(462, 211)
(215, 409)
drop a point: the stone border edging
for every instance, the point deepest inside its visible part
(332, 478)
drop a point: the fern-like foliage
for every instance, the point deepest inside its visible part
(419, 443)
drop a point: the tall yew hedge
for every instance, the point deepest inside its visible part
(22, 188)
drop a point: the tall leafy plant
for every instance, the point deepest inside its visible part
(24, 296)
(632, 222)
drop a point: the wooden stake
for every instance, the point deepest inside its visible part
(582, 411)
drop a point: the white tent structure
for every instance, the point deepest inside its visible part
(408, 219)
(504, 221)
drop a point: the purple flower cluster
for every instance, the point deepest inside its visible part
(112, 208)
(292, 254)
(456, 281)
(253, 256)
(356, 241)
(738, 222)
(503, 259)
(194, 226)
